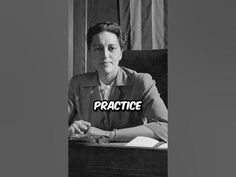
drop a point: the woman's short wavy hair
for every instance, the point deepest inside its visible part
(106, 26)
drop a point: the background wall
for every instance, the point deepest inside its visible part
(143, 21)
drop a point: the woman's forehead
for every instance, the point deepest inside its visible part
(105, 37)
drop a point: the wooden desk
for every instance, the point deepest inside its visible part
(115, 161)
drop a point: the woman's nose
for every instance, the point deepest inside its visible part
(105, 53)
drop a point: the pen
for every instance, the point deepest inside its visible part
(92, 140)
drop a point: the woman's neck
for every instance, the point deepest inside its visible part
(107, 78)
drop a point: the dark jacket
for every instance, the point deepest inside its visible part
(129, 85)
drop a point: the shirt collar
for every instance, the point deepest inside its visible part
(106, 86)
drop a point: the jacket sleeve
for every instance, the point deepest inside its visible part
(154, 108)
(71, 103)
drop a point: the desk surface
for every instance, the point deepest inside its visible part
(115, 160)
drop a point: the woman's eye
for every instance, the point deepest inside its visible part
(112, 48)
(97, 48)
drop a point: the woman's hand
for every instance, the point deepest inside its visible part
(99, 136)
(79, 127)
(96, 132)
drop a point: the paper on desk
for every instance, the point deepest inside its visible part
(163, 146)
(142, 141)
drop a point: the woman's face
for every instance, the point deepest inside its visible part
(105, 52)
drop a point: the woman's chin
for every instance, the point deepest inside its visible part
(107, 70)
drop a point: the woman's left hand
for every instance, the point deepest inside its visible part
(96, 132)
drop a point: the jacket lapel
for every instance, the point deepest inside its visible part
(122, 80)
(115, 93)
(95, 96)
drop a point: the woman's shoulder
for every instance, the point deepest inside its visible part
(138, 77)
(84, 78)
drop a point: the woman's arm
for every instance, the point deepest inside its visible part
(125, 134)
(154, 109)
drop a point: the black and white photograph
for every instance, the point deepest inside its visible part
(117, 88)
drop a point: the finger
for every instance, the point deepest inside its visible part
(87, 124)
(81, 125)
(82, 122)
(71, 131)
(76, 128)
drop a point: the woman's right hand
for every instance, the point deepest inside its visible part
(79, 127)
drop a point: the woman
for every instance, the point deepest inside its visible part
(112, 82)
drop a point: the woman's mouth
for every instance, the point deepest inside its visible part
(105, 62)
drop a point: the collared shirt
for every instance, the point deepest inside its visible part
(105, 90)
